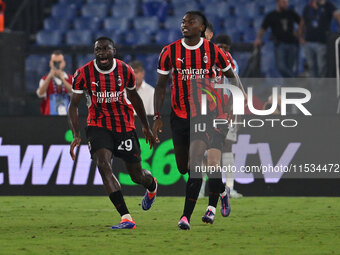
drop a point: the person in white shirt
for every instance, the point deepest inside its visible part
(145, 90)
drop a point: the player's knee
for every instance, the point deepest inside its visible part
(103, 165)
(136, 178)
(213, 162)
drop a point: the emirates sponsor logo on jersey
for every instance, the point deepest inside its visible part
(108, 96)
(192, 73)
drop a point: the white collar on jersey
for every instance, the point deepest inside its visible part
(192, 47)
(105, 71)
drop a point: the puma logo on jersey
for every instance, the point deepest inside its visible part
(96, 83)
(181, 59)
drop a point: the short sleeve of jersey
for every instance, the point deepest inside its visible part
(164, 66)
(78, 84)
(131, 79)
(231, 61)
(222, 60)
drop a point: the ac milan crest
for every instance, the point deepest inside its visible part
(205, 58)
(119, 81)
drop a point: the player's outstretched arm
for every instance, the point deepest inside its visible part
(158, 102)
(234, 79)
(138, 105)
(73, 121)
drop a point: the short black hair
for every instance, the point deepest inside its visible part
(225, 39)
(203, 17)
(57, 52)
(210, 27)
(105, 38)
(136, 64)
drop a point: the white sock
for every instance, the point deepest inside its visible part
(213, 209)
(127, 216)
(228, 162)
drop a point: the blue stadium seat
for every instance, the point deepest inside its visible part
(249, 35)
(127, 58)
(113, 34)
(257, 23)
(181, 8)
(68, 11)
(235, 35)
(124, 10)
(116, 24)
(78, 3)
(149, 24)
(92, 23)
(79, 38)
(147, 1)
(49, 38)
(36, 66)
(84, 59)
(137, 38)
(56, 24)
(125, 2)
(107, 2)
(167, 36)
(95, 10)
(172, 22)
(154, 8)
(242, 24)
(38, 63)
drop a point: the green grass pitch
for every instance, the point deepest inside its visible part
(81, 225)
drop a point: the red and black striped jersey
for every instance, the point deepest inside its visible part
(105, 92)
(188, 64)
(220, 79)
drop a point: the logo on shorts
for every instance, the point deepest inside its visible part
(89, 145)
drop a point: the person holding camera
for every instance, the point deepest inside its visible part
(54, 88)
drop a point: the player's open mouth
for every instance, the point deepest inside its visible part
(103, 60)
(184, 30)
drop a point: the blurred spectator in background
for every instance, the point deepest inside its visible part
(209, 32)
(54, 89)
(316, 23)
(224, 42)
(145, 91)
(281, 21)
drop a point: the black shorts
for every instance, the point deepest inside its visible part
(216, 139)
(123, 145)
(180, 129)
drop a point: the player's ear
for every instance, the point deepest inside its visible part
(114, 51)
(202, 28)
